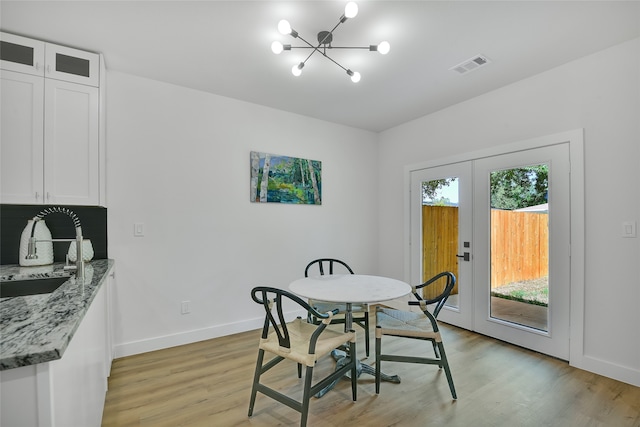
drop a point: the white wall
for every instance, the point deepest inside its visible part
(600, 93)
(178, 161)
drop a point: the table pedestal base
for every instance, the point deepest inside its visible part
(341, 359)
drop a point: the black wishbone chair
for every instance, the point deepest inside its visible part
(301, 342)
(420, 326)
(360, 312)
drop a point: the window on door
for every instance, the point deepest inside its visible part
(519, 245)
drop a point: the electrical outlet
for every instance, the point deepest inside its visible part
(185, 307)
(629, 229)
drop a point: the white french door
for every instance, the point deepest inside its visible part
(474, 307)
(442, 255)
(528, 324)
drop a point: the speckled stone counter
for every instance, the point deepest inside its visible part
(38, 328)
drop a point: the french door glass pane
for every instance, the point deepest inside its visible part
(520, 245)
(440, 234)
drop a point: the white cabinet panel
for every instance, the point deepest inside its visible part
(71, 143)
(21, 143)
(77, 381)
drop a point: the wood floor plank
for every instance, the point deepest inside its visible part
(208, 384)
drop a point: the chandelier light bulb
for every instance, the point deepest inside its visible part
(296, 70)
(284, 27)
(384, 47)
(351, 10)
(355, 76)
(277, 47)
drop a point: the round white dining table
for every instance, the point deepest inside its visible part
(350, 289)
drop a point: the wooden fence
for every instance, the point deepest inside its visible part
(519, 245)
(439, 244)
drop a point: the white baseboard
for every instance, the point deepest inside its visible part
(621, 373)
(188, 337)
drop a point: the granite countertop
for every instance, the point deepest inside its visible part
(38, 328)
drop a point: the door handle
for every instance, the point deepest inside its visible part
(466, 256)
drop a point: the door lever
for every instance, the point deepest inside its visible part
(466, 256)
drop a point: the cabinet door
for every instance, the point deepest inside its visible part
(78, 382)
(71, 174)
(72, 65)
(21, 54)
(21, 138)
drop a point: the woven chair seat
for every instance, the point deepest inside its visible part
(300, 334)
(405, 323)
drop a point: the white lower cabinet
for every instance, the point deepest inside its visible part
(69, 391)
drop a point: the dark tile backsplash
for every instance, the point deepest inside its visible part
(13, 219)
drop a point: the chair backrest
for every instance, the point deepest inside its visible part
(326, 266)
(272, 299)
(439, 300)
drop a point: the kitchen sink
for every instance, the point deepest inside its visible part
(19, 288)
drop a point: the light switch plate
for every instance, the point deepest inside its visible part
(629, 229)
(138, 229)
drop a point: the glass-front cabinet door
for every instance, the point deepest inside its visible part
(21, 54)
(72, 65)
(49, 60)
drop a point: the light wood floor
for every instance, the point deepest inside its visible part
(208, 384)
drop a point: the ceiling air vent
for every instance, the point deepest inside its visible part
(470, 64)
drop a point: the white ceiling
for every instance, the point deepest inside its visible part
(223, 47)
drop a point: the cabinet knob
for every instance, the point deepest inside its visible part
(37, 196)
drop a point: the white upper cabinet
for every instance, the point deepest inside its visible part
(21, 138)
(49, 60)
(71, 171)
(52, 147)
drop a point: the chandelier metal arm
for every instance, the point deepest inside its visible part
(329, 47)
(321, 42)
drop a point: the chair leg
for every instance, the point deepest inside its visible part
(299, 370)
(354, 371)
(256, 381)
(306, 396)
(378, 361)
(366, 334)
(436, 352)
(447, 370)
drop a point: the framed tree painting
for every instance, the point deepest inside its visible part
(284, 179)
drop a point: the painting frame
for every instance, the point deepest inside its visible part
(285, 179)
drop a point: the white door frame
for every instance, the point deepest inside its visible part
(575, 139)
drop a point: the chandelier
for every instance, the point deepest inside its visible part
(324, 43)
